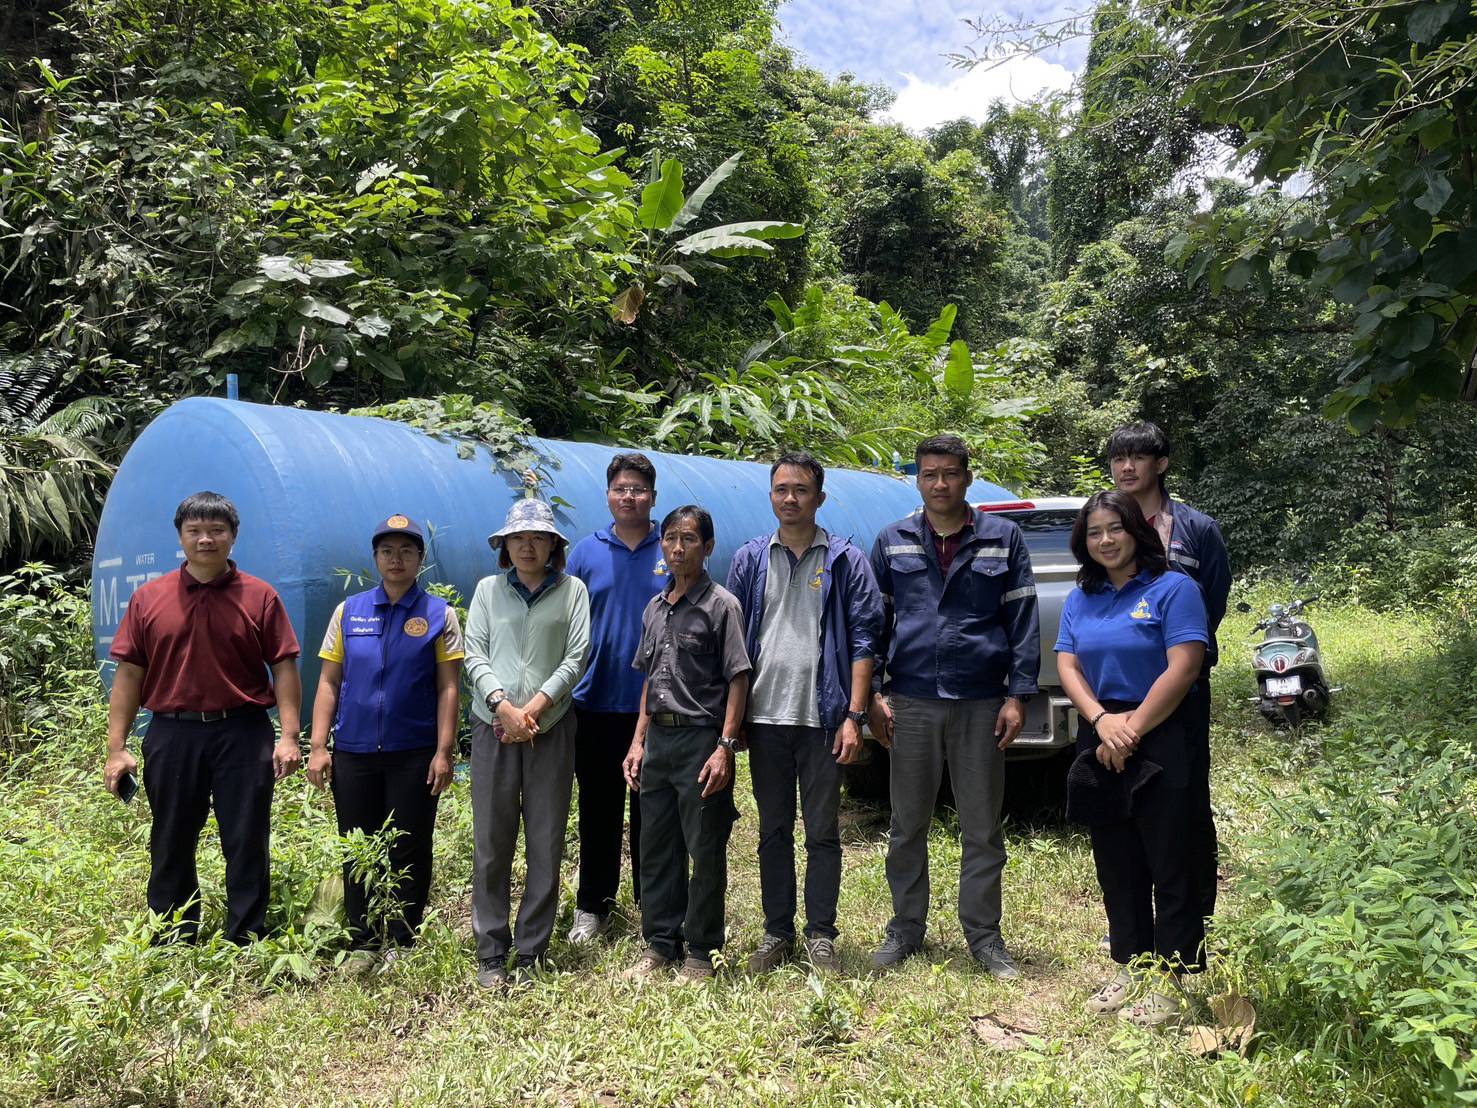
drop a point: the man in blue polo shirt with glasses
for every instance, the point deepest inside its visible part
(622, 567)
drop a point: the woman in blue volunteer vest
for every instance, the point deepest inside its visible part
(389, 694)
(1133, 635)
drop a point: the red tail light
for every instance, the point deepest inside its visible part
(1010, 506)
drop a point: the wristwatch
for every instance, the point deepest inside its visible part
(858, 718)
(495, 698)
(728, 743)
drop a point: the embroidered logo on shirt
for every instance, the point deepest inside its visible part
(815, 582)
(416, 627)
(660, 569)
(1141, 610)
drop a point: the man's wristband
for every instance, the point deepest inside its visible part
(858, 718)
(1094, 721)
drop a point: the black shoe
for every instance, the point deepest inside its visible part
(893, 951)
(492, 973)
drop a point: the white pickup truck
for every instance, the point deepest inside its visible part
(1051, 721)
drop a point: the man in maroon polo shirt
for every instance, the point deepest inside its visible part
(194, 648)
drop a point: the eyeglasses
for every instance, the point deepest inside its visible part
(633, 491)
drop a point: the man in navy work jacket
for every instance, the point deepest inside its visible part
(799, 586)
(622, 568)
(1138, 455)
(959, 655)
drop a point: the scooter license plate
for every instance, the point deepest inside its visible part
(1284, 686)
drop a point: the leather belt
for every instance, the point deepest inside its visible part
(672, 719)
(211, 717)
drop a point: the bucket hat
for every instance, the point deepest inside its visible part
(527, 515)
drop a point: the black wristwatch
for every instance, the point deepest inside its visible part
(495, 698)
(858, 718)
(728, 743)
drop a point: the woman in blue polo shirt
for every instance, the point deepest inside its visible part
(389, 693)
(1132, 638)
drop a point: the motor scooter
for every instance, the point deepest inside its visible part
(1291, 682)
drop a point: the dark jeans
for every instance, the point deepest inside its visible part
(681, 826)
(533, 781)
(190, 766)
(926, 735)
(1149, 864)
(370, 790)
(1197, 728)
(780, 760)
(604, 738)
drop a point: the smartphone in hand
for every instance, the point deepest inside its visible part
(127, 787)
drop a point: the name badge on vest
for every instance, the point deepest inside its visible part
(363, 625)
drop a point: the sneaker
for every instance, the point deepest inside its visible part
(587, 927)
(357, 963)
(996, 959)
(892, 951)
(1111, 997)
(773, 951)
(647, 966)
(492, 973)
(822, 954)
(391, 956)
(695, 971)
(1105, 944)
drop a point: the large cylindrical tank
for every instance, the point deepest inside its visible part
(311, 486)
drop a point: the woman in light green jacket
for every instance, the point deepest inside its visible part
(527, 639)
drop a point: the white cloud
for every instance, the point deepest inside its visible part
(922, 104)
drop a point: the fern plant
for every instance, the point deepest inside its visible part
(52, 477)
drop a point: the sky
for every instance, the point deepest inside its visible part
(902, 43)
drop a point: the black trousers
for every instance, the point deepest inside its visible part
(600, 747)
(783, 759)
(369, 791)
(190, 767)
(1196, 707)
(683, 826)
(1149, 865)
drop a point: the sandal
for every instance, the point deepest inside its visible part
(1112, 995)
(1155, 1009)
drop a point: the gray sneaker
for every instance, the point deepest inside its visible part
(772, 952)
(587, 927)
(996, 959)
(822, 954)
(892, 951)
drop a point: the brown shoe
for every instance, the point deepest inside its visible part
(695, 971)
(771, 953)
(647, 966)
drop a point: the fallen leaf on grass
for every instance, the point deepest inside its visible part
(1235, 1024)
(993, 1032)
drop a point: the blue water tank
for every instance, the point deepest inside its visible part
(311, 486)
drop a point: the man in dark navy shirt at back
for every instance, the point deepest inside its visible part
(195, 648)
(1138, 455)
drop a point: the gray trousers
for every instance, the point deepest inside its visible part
(531, 781)
(926, 735)
(780, 759)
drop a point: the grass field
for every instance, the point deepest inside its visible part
(93, 1015)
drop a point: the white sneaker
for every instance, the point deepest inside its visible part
(587, 926)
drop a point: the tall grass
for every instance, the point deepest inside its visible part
(91, 1013)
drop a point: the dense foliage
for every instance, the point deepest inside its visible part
(646, 221)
